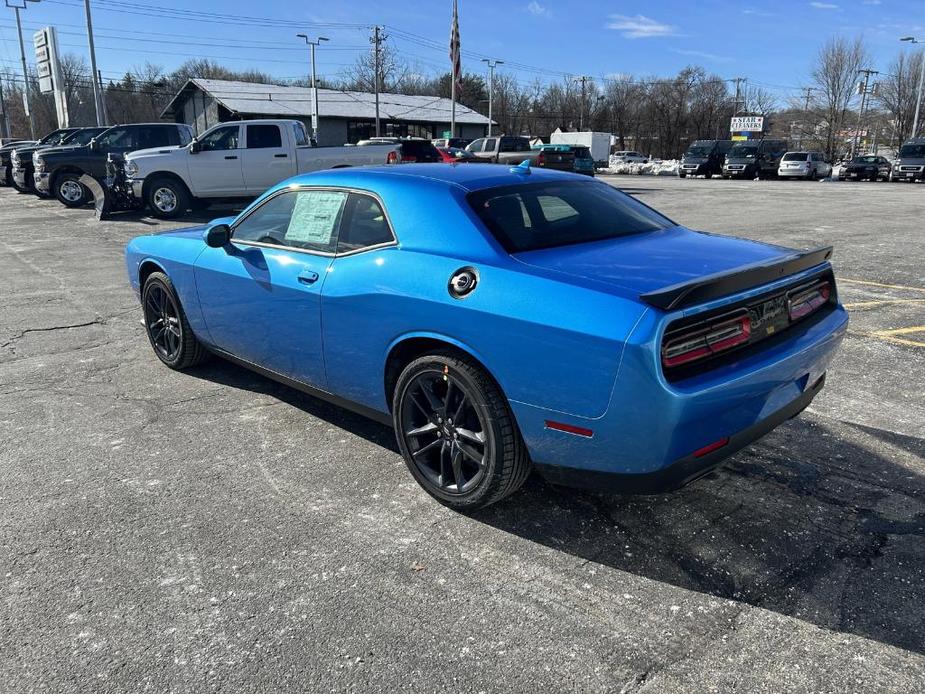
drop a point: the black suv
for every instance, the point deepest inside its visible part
(58, 170)
(22, 156)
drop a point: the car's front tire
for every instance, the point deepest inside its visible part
(70, 191)
(168, 331)
(456, 432)
(167, 198)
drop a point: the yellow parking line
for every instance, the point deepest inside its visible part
(880, 302)
(880, 284)
(891, 335)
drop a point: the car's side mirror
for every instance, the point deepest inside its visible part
(218, 236)
(195, 146)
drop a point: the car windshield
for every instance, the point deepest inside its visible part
(912, 152)
(864, 160)
(52, 138)
(740, 152)
(795, 156)
(698, 151)
(81, 137)
(543, 215)
(582, 153)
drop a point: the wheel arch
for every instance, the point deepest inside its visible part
(145, 268)
(407, 348)
(65, 169)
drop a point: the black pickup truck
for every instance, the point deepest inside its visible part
(58, 170)
(21, 160)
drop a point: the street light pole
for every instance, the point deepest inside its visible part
(22, 56)
(312, 43)
(584, 79)
(491, 85)
(918, 100)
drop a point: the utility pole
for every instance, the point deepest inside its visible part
(864, 92)
(377, 42)
(97, 94)
(584, 79)
(22, 56)
(491, 85)
(807, 95)
(918, 99)
(312, 44)
(738, 98)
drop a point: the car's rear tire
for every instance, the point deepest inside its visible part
(456, 432)
(167, 198)
(69, 191)
(168, 331)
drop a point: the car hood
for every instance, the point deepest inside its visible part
(52, 151)
(860, 166)
(641, 263)
(184, 233)
(153, 152)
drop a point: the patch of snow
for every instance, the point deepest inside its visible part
(654, 167)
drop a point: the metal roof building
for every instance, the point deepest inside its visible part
(342, 116)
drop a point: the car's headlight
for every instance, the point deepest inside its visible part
(14, 157)
(131, 168)
(37, 162)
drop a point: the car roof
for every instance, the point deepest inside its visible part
(464, 176)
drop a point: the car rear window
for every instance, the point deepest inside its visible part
(796, 156)
(543, 215)
(421, 150)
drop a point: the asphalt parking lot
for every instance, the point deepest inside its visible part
(215, 531)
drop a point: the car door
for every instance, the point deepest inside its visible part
(216, 168)
(266, 160)
(261, 293)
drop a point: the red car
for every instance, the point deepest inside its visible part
(454, 155)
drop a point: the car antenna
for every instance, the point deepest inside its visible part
(522, 168)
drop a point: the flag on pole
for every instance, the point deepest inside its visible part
(454, 52)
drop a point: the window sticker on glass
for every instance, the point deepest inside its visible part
(314, 217)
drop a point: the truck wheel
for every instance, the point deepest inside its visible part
(708, 175)
(456, 432)
(70, 191)
(681, 175)
(167, 198)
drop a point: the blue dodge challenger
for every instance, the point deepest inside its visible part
(502, 319)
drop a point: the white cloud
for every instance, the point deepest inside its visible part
(872, 2)
(640, 27)
(537, 9)
(824, 5)
(701, 54)
(757, 13)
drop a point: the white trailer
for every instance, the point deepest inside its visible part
(598, 143)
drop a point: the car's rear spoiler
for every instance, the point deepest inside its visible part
(724, 283)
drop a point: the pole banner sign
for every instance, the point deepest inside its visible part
(749, 124)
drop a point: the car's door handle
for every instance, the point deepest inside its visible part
(233, 156)
(308, 277)
(280, 156)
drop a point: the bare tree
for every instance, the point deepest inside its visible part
(835, 73)
(898, 90)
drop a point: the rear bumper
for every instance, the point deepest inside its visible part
(683, 470)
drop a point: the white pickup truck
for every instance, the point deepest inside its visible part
(236, 160)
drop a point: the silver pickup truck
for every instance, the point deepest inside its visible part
(507, 149)
(236, 160)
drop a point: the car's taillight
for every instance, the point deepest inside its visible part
(699, 341)
(541, 159)
(801, 302)
(392, 158)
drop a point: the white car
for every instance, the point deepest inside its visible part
(630, 157)
(236, 160)
(808, 165)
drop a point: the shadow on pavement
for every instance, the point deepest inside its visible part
(804, 523)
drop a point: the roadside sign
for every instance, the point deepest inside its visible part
(48, 68)
(447, 133)
(752, 124)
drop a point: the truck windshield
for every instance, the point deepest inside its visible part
(912, 152)
(698, 151)
(740, 152)
(543, 215)
(81, 137)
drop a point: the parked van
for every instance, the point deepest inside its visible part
(754, 159)
(704, 158)
(808, 165)
(910, 165)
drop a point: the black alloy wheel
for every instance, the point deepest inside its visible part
(165, 323)
(456, 432)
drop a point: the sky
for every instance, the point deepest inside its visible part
(770, 42)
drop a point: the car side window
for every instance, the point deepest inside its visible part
(476, 146)
(263, 136)
(364, 224)
(301, 219)
(151, 136)
(489, 145)
(220, 138)
(298, 132)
